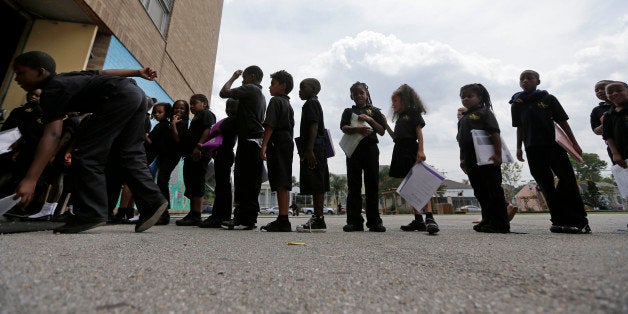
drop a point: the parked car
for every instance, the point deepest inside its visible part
(310, 210)
(207, 209)
(272, 211)
(469, 209)
(263, 210)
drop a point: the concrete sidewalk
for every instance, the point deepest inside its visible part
(189, 269)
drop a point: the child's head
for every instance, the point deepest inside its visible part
(162, 111)
(32, 68)
(475, 95)
(405, 98)
(461, 112)
(617, 93)
(600, 89)
(281, 83)
(32, 97)
(181, 108)
(360, 94)
(198, 103)
(252, 75)
(309, 88)
(529, 80)
(231, 108)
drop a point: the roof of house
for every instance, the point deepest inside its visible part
(453, 185)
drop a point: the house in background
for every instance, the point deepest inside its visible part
(530, 198)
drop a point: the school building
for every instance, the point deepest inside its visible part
(179, 39)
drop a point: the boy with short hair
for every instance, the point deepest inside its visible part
(615, 128)
(278, 147)
(533, 114)
(114, 130)
(314, 173)
(248, 165)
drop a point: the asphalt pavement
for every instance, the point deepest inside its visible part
(174, 269)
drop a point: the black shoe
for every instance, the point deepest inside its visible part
(557, 229)
(414, 225)
(352, 228)
(191, 219)
(235, 225)
(431, 226)
(277, 226)
(314, 224)
(210, 222)
(488, 228)
(149, 219)
(76, 227)
(377, 228)
(577, 230)
(164, 219)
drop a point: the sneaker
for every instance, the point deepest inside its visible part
(164, 219)
(314, 224)
(414, 225)
(236, 225)
(352, 228)
(277, 226)
(148, 219)
(210, 222)
(76, 227)
(557, 229)
(431, 226)
(377, 228)
(577, 230)
(191, 219)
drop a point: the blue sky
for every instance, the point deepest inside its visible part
(435, 47)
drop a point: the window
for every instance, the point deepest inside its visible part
(159, 11)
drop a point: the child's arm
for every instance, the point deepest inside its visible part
(268, 131)
(175, 131)
(519, 142)
(420, 155)
(196, 153)
(497, 147)
(309, 149)
(388, 129)
(376, 126)
(565, 126)
(617, 158)
(145, 73)
(225, 92)
(45, 150)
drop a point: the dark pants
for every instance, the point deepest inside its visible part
(365, 159)
(223, 160)
(116, 133)
(165, 166)
(563, 199)
(248, 181)
(487, 187)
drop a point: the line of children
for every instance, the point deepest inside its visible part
(408, 149)
(615, 125)
(598, 111)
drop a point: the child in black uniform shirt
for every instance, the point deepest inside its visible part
(114, 129)
(533, 114)
(195, 163)
(615, 127)
(598, 112)
(486, 180)
(365, 158)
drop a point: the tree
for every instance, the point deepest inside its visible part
(592, 195)
(511, 176)
(385, 181)
(338, 185)
(590, 169)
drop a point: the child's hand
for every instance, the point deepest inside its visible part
(236, 74)
(175, 119)
(364, 130)
(520, 155)
(619, 161)
(365, 117)
(497, 160)
(148, 74)
(310, 159)
(262, 152)
(420, 157)
(196, 154)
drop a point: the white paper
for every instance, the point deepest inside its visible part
(484, 148)
(7, 203)
(349, 142)
(419, 185)
(7, 138)
(621, 177)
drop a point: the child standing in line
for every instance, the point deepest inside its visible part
(195, 163)
(114, 129)
(223, 161)
(486, 180)
(598, 112)
(278, 147)
(314, 173)
(365, 159)
(160, 146)
(615, 127)
(408, 150)
(248, 165)
(533, 114)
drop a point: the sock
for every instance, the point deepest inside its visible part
(418, 217)
(282, 218)
(428, 215)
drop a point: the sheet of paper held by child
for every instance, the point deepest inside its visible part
(7, 203)
(420, 184)
(349, 142)
(7, 138)
(565, 142)
(621, 177)
(484, 148)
